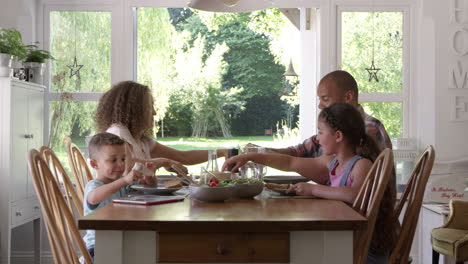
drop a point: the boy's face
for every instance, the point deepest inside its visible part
(109, 162)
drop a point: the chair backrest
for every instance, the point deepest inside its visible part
(78, 166)
(368, 200)
(75, 203)
(411, 200)
(62, 231)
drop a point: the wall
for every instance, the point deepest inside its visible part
(21, 15)
(443, 80)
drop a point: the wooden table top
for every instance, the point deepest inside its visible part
(264, 215)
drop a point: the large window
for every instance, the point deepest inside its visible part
(80, 42)
(217, 74)
(367, 36)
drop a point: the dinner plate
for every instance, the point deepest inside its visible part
(284, 179)
(283, 192)
(161, 190)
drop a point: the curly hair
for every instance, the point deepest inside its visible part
(127, 103)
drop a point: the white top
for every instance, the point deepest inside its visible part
(141, 148)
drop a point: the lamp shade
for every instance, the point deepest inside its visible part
(235, 6)
(290, 71)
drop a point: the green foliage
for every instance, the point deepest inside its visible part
(12, 43)
(261, 112)
(358, 41)
(35, 55)
(86, 35)
(156, 56)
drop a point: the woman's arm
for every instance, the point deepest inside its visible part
(188, 157)
(315, 169)
(343, 193)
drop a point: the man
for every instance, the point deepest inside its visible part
(338, 87)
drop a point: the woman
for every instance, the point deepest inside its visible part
(127, 111)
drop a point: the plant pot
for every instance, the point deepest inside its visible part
(35, 72)
(5, 65)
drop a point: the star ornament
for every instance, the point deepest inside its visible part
(75, 68)
(373, 72)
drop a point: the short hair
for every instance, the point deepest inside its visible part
(103, 139)
(343, 80)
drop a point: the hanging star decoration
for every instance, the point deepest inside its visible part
(75, 68)
(373, 72)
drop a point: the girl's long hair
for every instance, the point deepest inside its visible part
(127, 103)
(347, 119)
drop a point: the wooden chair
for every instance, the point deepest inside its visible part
(74, 202)
(78, 166)
(62, 231)
(368, 200)
(411, 200)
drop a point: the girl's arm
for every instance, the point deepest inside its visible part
(188, 157)
(315, 169)
(343, 193)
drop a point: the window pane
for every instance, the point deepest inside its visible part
(72, 119)
(357, 42)
(86, 36)
(390, 114)
(213, 73)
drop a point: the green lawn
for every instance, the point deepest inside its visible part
(199, 143)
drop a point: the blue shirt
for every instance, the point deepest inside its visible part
(89, 208)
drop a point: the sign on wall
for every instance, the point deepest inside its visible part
(458, 71)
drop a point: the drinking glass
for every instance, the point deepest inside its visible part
(252, 169)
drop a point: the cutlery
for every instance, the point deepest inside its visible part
(183, 174)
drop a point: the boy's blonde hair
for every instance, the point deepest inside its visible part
(103, 139)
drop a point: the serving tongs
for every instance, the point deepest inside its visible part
(184, 175)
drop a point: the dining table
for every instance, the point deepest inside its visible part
(265, 229)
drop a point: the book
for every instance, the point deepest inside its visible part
(148, 199)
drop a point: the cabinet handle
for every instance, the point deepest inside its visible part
(18, 213)
(36, 207)
(29, 136)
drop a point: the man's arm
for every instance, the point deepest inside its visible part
(310, 148)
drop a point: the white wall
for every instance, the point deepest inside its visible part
(20, 14)
(443, 122)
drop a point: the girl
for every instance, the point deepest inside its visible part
(127, 111)
(348, 153)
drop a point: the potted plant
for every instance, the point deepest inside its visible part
(34, 63)
(11, 45)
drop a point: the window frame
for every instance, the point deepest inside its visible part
(53, 96)
(404, 96)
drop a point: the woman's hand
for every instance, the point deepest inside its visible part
(238, 161)
(302, 188)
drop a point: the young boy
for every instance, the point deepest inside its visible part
(107, 154)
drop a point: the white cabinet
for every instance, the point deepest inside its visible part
(21, 128)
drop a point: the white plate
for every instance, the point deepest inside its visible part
(283, 192)
(161, 190)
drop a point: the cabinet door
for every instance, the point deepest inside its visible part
(19, 144)
(35, 127)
